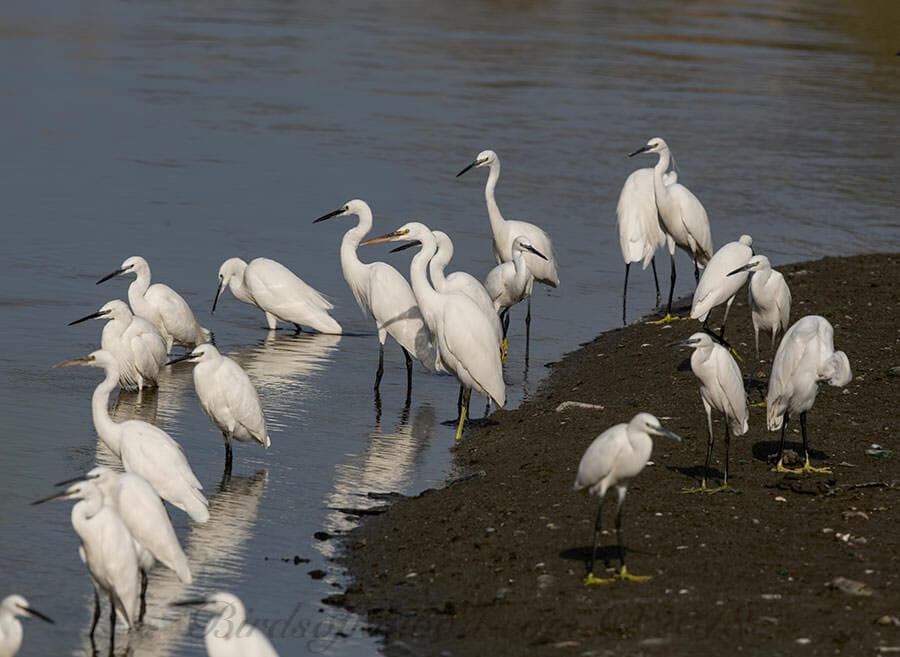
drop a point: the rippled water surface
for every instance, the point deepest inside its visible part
(189, 132)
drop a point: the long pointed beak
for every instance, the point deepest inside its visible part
(473, 164)
(682, 343)
(178, 359)
(408, 245)
(75, 361)
(99, 313)
(534, 251)
(75, 480)
(34, 612)
(384, 238)
(331, 214)
(218, 292)
(642, 149)
(52, 498)
(112, 275)
(662, 431)
(194, 602)
(740, 269)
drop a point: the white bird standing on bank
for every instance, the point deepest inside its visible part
(612, 459)
(108, 549)
(228, 397)
(136, 344)
(769, 297)
(11, 608)
(510, 282)
(144, 449)
(383, 293)
(464, 337)
(278, 292)
(722, 280)
(721, 388)
(683, 217)
(505, 232)
(160, 305)
(805, 359)
(228, 634)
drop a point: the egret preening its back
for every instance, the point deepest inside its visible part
(144, 448)
(464, 337)
(722, 279)
(612, 459)
(721, 388)
(160, 305)
(682, 215)
(769, 297)
(228, 397)
(383, 293)
(13, 607)
(136, 344)
(228, 634)
(805, 359)
(278, 292)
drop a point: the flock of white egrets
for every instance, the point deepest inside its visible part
(449, 322)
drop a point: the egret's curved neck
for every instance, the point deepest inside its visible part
(351, 265)
(659, 170)
(426, 296)
(522, 271)
(438, 264)
(237, 287)
(106, 427)
(137, 290)
(494, 215)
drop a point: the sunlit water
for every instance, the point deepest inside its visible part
(189, 132)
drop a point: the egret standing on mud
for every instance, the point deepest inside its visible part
(721, 280)
(612, 459)
(769, 297)
(805, 360)
(11, 608)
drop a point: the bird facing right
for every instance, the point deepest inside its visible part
(11, 608)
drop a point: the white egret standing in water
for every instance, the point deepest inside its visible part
(805, 360)
(383, 293)
(278, 292)
(13, 607)
(228, 634)
(143, 448)
(160, 305)
(769, 297)
(136, 344)
(683, 217)
(721, 280)
(612, 459)
(721, 388)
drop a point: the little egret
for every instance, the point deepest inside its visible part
(805, 359)
(770, 298)
(383, 293)
(160, 305)
(612, 459)
(278, 292)
(464, 337)
(458, 281)
(505, 232)
(228, 634)
(136, 344)
(682, 215)
(721, 388)
(108, 549)
(510, 282)
(11, 608)
(228, 397)
(721, 280)
(144, 449)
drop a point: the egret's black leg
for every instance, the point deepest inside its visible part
(709, 447)
(671, 286)
(619, 533)
(655, 280)
(143, 597)
(780, 465)
(504, 320)
(96, 614)
(696, 272)
(625, 291)
(112, 626)
(727, 452)
(409, 366)
(597, 529)
(227, 473)
(380, 371)
(528, 331)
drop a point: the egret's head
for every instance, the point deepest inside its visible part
(217, 602)
(115, 309)
(756, 263)
(133, 265)
(200, 353)
(484, 159)
(649, 424)
(16, 605)
(696, 341)
(99, 358)
(655, 145)
(521, 243)
(231, 268)
(355, 207)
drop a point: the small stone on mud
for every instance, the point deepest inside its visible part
(850, 586)
(889, 620)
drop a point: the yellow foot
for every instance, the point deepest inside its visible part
(590, 579)
(724, 488)
(666, 320)
(504, 349)
(736, 355)
(628, 577)
(761, 404)
(697, 489)
(806, 469)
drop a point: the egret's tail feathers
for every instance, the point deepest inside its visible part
(196, 506)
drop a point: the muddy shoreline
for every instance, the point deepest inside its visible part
(494, 564)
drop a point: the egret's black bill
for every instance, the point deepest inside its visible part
(178, 359)
(473, 164)
(642, 149)
(331, 214)
(408, 245)
(112, 275)
(86, 318)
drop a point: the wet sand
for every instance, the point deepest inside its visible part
(494, 564)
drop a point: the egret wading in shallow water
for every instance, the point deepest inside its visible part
(638, 223)
(722, 280)
(510, 282)
(805, 360)
(228, 634)
(13, 607)
(505, 232)
(383, 293)
(143, 448)
(145, 517)
(465, 339)
(682, 215)
(769, 297)
(278, 292)
(136, 344)
(612, 459)
(160, 305)
(108, 550)
(228, 397)
(721, 388)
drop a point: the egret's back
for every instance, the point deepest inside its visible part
(793, 383)
(277, 290)
(715, 285)
(695, 223)
(230, 400)
(637, 219)
(722, 385)
(394, 307)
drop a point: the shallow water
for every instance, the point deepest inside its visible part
(189, 132)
